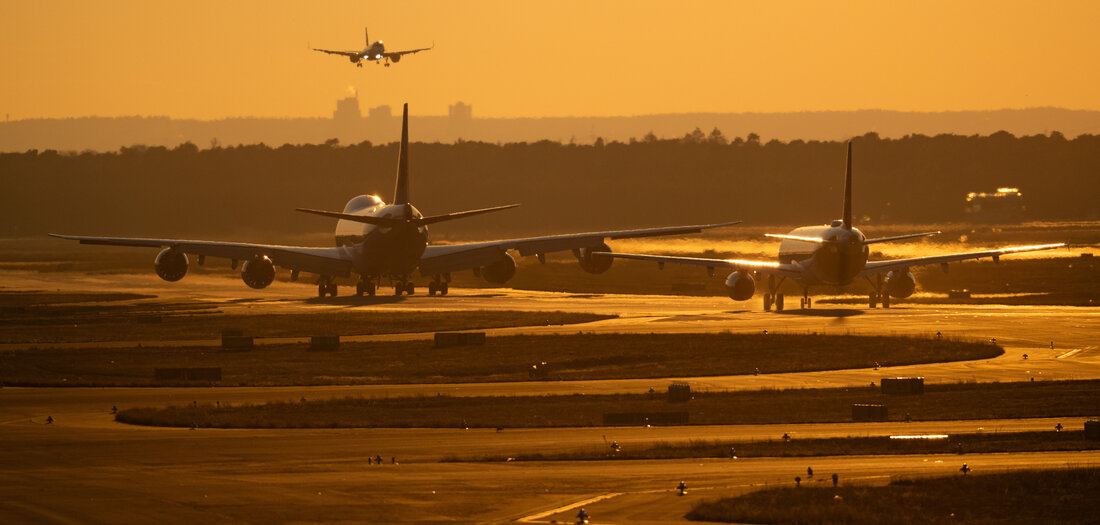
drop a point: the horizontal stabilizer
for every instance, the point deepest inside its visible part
(367, 219)
(461, 214)
(817, 240)
(900, 237)
(387, 222)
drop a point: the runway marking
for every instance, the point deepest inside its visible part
(571, 506)
(1069, 354)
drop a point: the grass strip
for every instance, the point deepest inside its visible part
(939, 402)
(970, 443)
(186, 321)
(508, 358)
(1037, 496)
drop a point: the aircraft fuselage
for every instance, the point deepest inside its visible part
(378, 250)
(837, 261)
(373, 52)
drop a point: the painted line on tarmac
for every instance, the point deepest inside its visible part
(571, 506)
(1071, 353)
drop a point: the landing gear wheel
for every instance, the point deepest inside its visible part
(885, 300)
(431, 288)
(872, 300)
(332, 289)
(768, 300)
(410, 288)
(443, 289)
(364, 287)
(321, 289)
(802, 303)
(398, 288)
(809, 303)
(779, 302)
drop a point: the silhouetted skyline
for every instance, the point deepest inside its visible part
(351, 122)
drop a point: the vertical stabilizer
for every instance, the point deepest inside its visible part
(401, 192)
(366, 35)
(847, 217)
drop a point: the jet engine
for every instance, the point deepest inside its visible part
(258, 272)
(592, 264)
(740, 286)
(395, 58)
(354, 58)
(171, 264)
(900, 284)
(500, 271)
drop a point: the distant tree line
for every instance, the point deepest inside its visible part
(701, 177)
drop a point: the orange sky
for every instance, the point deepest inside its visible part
(216, 59)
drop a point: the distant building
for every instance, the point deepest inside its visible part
(1004, 205)
(460, 111)
(380, 113)
(347, 110)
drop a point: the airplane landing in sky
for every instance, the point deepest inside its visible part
(377, 240)
(834, 254)
(375, 51)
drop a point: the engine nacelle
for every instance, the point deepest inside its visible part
(900, 284)
(592, 264)
(740, 286)
(171, 264)
(354, 58)
(396, 58)
(258, 272)
(500, 271)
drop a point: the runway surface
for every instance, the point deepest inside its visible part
(86, 468)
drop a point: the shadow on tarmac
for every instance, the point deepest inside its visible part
(823, 312)
(352, 300)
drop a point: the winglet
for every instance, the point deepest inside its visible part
(401, 192)
(847, 217)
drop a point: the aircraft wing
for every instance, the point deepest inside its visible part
(457, 257)
(877, 267)
(334, 262)
(765, 267)
(344, 53)
(391, 54)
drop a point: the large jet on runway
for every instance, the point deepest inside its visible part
(377, 240)
(834, 255)
(373, 52)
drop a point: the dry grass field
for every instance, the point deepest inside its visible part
(846, 446)
(579, 356)
(939, 402)
(42, 318)
(1032, 497)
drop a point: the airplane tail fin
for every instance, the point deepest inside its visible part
(401, 192)
(366, 36)
(847, 217)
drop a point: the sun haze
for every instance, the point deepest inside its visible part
(212, 59)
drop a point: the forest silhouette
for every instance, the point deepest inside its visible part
(226, 192)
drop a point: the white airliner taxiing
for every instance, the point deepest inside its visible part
(830, 255)
(385, 241)
(375, 51)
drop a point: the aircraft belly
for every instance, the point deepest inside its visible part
(387, 253)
